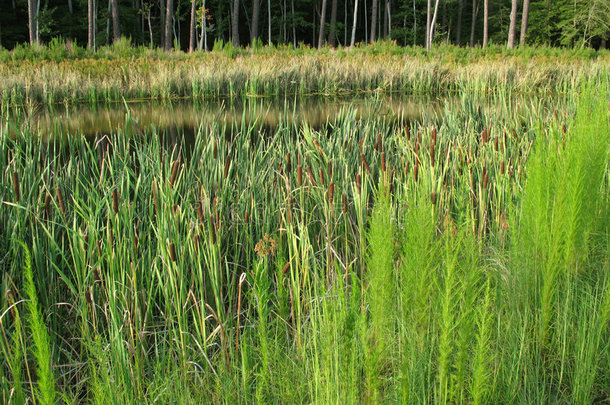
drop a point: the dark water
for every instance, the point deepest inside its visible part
(185, 116)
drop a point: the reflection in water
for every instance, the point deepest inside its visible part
(186, 115)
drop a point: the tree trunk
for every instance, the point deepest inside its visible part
(373, 21)
(256, 7)
(70, 9)
(235, 23)
(162, 7)
(269, 26)
(32, 20)
(428, 20)
(116, 26)
(169, 17)
(473, 25)
(322, 25)
(387, 5)
(513, 25)
(432, 24)
(458, 29)
(524, 20)
(294, 28)
(385, 19)
(91, 24)
(485, 22)
(353, 41)
(193, 28)
(332, 35)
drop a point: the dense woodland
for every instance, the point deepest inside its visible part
(197, 24)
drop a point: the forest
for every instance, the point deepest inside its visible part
(198, 24)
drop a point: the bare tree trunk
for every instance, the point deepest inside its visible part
(203, 44)
(193, 28)
(414, 24)
(322, 25)
(235, 23)
(353, 41)
(373, 21)
(458, 29)
(169, 23)
(332, 35)
(385, 19)
(432, 24)
(269, 14)
(32, 20)
(91, 24)
(294, 28)
(70, 8)
(256, 6)
(387, 5)
(524, 21)
(162, 7)
(485, 22)
(513, 25)
(428, 20)
(473, 25)
(116, 26)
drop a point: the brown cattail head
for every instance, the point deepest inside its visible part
(286, 268)
(433, 136)
(172, 179)
(300, 175)
(344, 199)
(365, 163)
(154, 192)
(408, 133)
(16, 186)
(321, 175)
(433, 197)
(330, 170)
(432, 155)
(361, 144)
(172, 252)
(213, 228)
(416, 170)
(379, 144)
(288, 164)
(215, 149)
(502, 168)
(358, 183)
(383, 167)
(484, 177)
(200, 211)
(115, 201)
(96, 275)
(331, 192)
(247, 217)
(311, 176)
(484, 137)
(496, 143)
(47, 205)
(289, 210)
(60, 201)
(227, 165)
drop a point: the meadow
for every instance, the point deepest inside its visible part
(462, 257)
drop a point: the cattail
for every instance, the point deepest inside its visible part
(321, 176)
(383, 168)
(502, 168)
(484, 137)
(288, 164)
(358, 183)
(330, 169)
(213, 228)
(416, 171)
(227, 165)
(432, 155)
(215, 154)
(47, 205)
(311, 176)
(300, 175)
(365, 163)
(331, 192)
(172, 252)
(115, 201)
(174, 173)
(361, 144)
(289, 210)
(379, 144)
(433, 197)
(433, 136)
(496, 143)
(246, 217)
(16, 186)
(154, 191)
(200, 211)
(485, 178)
(286, 268)
(408, 133)
(60, 201)
(344, 199)
(196, 242)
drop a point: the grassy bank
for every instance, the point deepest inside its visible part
(455, 261)
(65, 73)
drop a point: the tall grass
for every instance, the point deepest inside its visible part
(373, 260)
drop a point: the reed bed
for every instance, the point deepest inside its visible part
(121, 72)
(377, 260)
